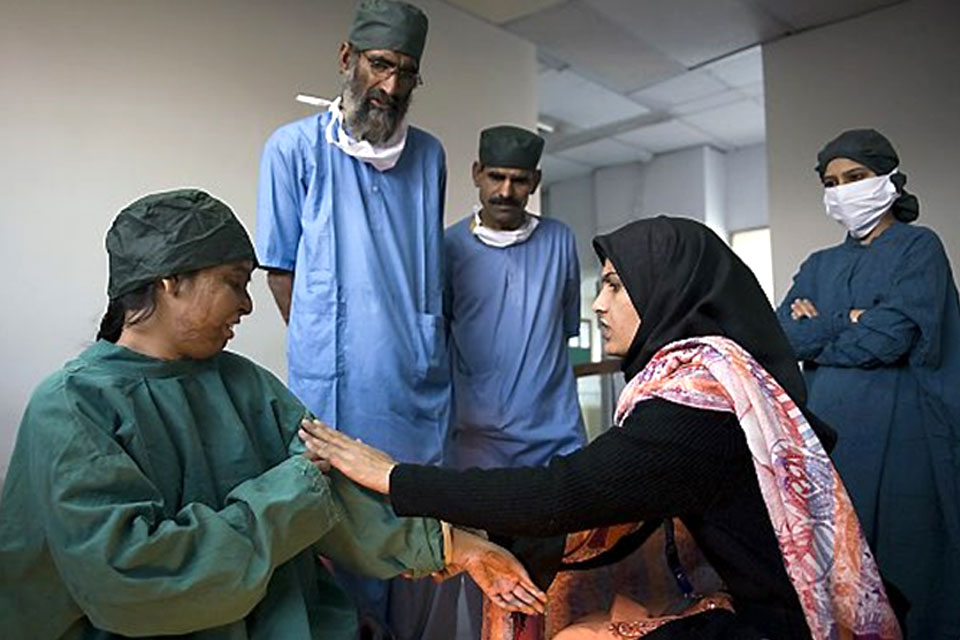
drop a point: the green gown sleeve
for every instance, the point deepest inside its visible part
(371, 539)
(135, 566)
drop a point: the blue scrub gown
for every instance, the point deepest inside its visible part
(366, 345)
(511, 311)
(890, 385)
(367, 341)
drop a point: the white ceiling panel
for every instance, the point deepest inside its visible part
(595, 46)
(692, 31)
(666, 136)
(500, 11)
(725, 97)
(809, 13)
(685, 87)
(606, 152)
(740, 124)
(740, 69)
(556, 169)
(567, 96)
(753, 90)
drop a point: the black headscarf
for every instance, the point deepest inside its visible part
(872, 149)
(685, 282)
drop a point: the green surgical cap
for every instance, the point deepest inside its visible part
(510, 147)
(383, 24)
(173, 232)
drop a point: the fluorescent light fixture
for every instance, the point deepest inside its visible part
(315, 101)
(543, 126)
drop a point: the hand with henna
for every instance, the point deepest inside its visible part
(495, 570)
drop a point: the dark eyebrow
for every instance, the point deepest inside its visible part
(610, 274)
(854, 171)
(393, 63)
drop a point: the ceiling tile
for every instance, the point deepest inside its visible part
(739, 124)
(753, 90)
(556, 169)
(595, 46)
(685, 87)
(692, 31)
(725, 97)
(738, 70)
(666, 136)
(606, 152)
(811, 13)
(500, 11)
(567, 96)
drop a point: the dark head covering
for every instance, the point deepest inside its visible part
(172, 232)
(872, 149)
(384, 24)
(510, 147)
(685, 282)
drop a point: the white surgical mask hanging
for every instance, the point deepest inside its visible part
(501, 238)
(382, 158)
(859, 205)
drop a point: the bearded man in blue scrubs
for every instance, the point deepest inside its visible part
(350, 226)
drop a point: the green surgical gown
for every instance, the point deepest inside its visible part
(149, 498)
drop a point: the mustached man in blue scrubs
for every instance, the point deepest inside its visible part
(513, 287)
(350, 226)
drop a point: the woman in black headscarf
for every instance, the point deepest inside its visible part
(877, 323)
(700, 346)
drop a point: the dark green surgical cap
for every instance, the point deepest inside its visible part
(510, 147)
(873, 150)
(164, 234)
(384, 24)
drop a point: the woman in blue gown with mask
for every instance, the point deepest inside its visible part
(876, 322)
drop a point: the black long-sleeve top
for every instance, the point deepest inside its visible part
(668, 460)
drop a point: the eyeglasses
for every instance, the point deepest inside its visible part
(382, 69)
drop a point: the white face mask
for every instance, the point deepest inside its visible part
(858, 206)
(501, 238)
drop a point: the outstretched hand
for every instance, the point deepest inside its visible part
(497, 572)
(361, 463)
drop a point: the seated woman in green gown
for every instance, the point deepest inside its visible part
(711, 430)
(157, 486)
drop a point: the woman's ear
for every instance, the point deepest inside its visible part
(169, 286)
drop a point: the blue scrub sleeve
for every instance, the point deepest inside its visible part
(808, 336)
(280, 196)
(571, 289)
(907, 320)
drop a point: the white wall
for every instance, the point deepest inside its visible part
(715, 190)
(572, 202)
(674, 183)
(618, 195)
(896, 70)
(690, 182)
(104, 100)
(746, 188)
